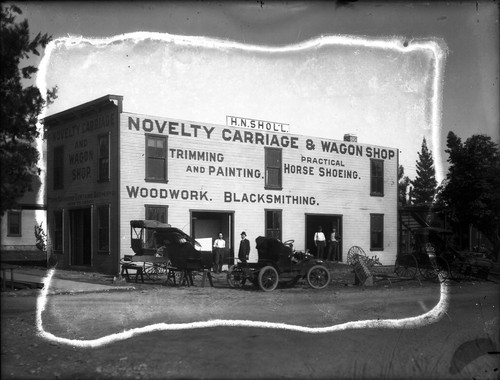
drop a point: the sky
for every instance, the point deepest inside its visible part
(283, 62)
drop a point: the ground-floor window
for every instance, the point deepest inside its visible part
(14, 223)
(376, 232)
(158, 213)
(273, 224)
(103, 228)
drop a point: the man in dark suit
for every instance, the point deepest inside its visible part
(244, 250)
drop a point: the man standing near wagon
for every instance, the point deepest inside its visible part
(244, 250)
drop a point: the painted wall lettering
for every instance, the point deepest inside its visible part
(270, 126)
(258, 138)
(161, 193)
(379, 153)
(170, 127)
(298, 169)
(321, 161)
(196, 155)
(230, 197)
(338, 173)
(81, 173)
(84, 126)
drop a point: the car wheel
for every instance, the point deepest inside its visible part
(268, 278)
(318, 277)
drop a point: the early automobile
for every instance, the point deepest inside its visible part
(278, 262)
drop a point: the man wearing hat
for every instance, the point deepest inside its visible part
(244, 250)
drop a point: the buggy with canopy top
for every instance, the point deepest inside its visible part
(163, 247)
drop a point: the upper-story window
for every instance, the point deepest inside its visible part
(103, 158)
(58, 165)
(156, 158)
(273, 168)
(377, 177)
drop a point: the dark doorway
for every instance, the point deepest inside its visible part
(208, 224)
(327, 222)
(80, 237)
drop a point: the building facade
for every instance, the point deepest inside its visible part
(18, 240)
(107, 167)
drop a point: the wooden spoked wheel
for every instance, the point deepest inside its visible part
(235, 277)
(406, 266)
(155, 271)
(353, 252)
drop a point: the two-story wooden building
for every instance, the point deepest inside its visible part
(106, 167)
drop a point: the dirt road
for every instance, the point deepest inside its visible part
(455, 346)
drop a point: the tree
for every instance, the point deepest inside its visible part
(471, 190)
(425, 184)
(19, 108)
(403, 183)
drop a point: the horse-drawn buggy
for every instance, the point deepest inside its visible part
(278, 262)
(164, 250)
(434, 259)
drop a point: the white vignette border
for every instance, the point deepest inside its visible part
(439, 51)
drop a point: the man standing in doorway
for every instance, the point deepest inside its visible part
(219, 246)
(333, 246)
(320, 242)
(244, 250)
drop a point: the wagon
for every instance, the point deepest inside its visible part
(165, 251)
(435, 260)
(279, 263)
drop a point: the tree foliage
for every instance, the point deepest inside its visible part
(471, 190)
(403, 183)
(425, 184)
(19, 107)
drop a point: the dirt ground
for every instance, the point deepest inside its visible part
(218, 352)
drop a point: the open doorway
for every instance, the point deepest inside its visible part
(208, 224)
(327, 222)
(80, 230)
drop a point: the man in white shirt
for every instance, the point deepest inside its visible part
(320, 242)
(219, 246)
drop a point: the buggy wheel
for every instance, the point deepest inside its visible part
(444, 269)
(268, 278)
(318, 277)
(353, 252)
(154, 271)
(460, 272)
(439, 273)
(235, 277)
(406, 266)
